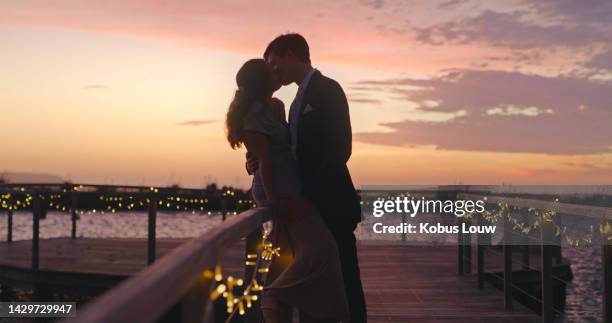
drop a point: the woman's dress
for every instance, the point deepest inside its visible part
(312, 280)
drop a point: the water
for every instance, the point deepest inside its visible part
(583, 296)
(583, 302)
(109, 225)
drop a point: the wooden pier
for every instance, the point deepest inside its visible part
(401, 283)
(421, 284)
(170, 280)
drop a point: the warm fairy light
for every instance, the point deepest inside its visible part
(238, 304)
(221, 288)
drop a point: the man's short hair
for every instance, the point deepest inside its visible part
(294, 43)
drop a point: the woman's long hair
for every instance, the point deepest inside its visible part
(253, 85)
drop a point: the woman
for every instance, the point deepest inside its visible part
(312, 281)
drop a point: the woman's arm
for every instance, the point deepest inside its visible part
(259, 145)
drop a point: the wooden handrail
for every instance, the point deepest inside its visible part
(149, 294)
(546, 250)
(598, 212)
(99, 186)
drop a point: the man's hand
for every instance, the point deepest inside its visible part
(252, 163)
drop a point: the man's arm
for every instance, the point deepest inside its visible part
(337, 122)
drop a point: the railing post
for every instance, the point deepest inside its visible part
(9, 226)
(151, 231)
(74, 217)
(460, 249)
(7, 291)
(404, 219)
(525, 247)
(546, 254)
(557, 252)
(224, 208)
(483, 240)
(467, 239)
(36, 214)
(507, 261)
(606, 262)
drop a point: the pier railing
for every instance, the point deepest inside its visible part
(176, 283)
(74, 200)
(174, 288)
(548, 243)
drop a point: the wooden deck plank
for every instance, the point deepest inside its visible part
(401, 283)
(420, 284)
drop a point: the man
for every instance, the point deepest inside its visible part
(321, 141)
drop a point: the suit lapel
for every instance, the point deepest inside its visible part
(309, 93)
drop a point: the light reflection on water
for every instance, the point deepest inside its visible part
(108, 225)
(583, 302)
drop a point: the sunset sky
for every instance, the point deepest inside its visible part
(440, 92)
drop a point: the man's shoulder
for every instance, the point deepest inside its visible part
(327, 84)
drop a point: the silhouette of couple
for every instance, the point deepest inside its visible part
(299, 167)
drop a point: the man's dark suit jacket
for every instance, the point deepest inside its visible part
(324, 142)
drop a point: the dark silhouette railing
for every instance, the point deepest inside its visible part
(176, 283)
(175, 287)
(41, 198)
(548, 243)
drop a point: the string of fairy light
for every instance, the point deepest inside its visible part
(225, 286)
(511, 214)
(20, 200)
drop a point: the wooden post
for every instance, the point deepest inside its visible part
(460, 249)
(467, 239)
(224, 208)
(151, 231)
(74, 217)
(606, 262)
(483, 239)
(9, 220)
(525, 247)
(36, 213)
(507, 262)
(39, 291)
(557, 253)
(253, 242)
(404, 219)
(547, 252)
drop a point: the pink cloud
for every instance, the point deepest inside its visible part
(344, 32)
(546, 116)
